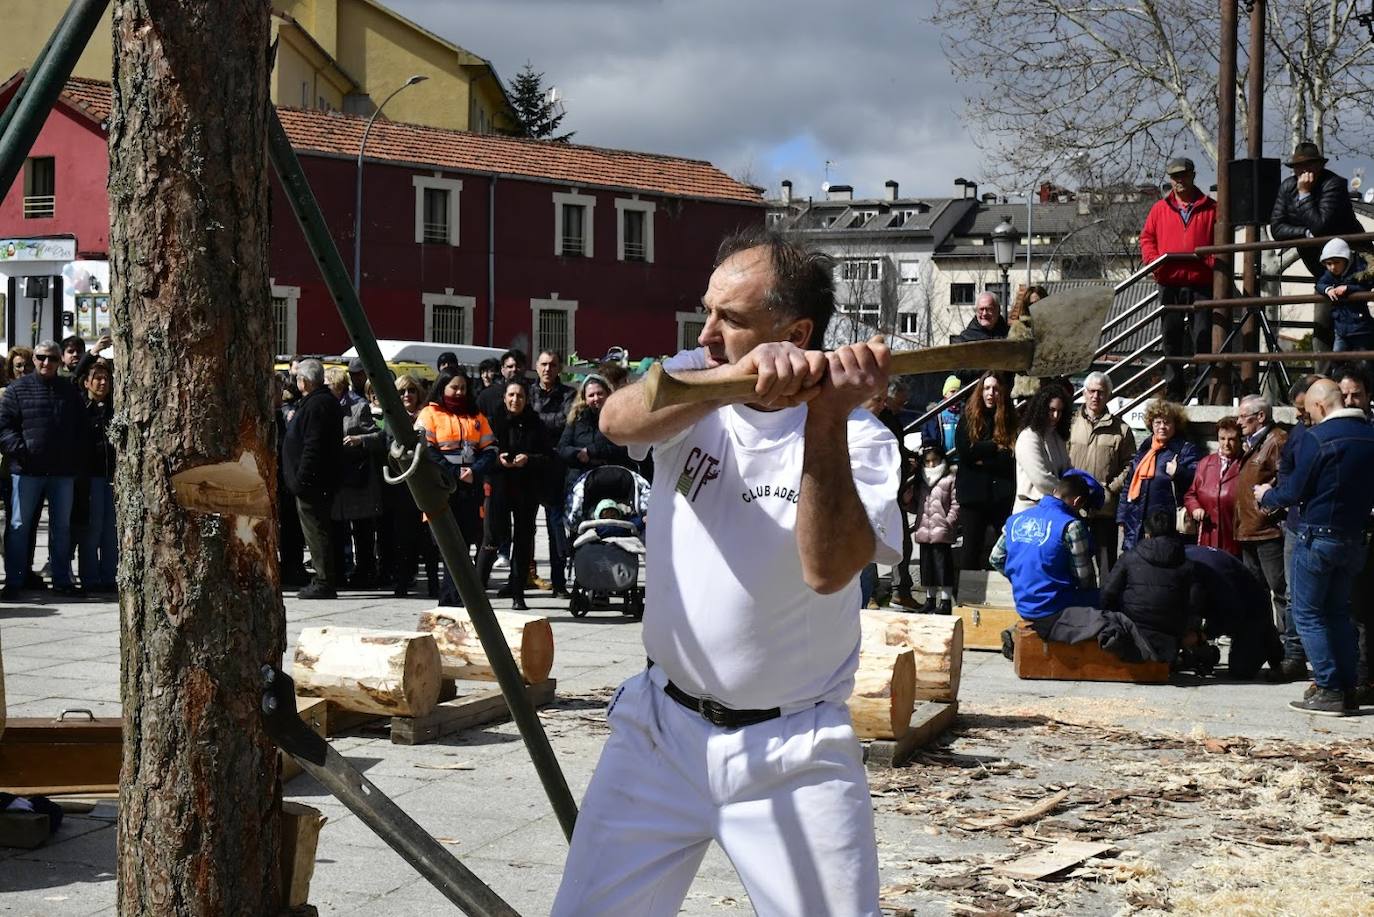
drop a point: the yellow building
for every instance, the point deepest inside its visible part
(346, 55)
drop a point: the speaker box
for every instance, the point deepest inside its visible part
(1254, 186)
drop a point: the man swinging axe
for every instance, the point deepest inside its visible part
(764, 511)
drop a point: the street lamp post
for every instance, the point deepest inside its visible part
(358, 195)
(1004, 238)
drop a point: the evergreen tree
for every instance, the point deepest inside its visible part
(539, 117)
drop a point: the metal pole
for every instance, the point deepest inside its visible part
(38, 60)
(46, 81)
(1254, 149)
(1226, 151)
(426, 483)
(358, 191)
(1030, 232)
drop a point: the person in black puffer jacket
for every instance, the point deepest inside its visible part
(98, 542)
(517, 487)
(43, 433)
(1156, 586)
(583, 446)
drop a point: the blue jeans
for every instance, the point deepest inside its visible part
(1325, 565)
(1292, 643)
(558, 543)
(27, 494)
(99, 546)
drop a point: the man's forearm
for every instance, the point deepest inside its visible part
(834, 536)
(627, 421)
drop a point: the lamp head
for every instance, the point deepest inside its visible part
(417, 78)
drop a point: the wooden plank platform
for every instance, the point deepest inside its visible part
(1036, 659)
(928, 721)
(464, 712)
(983, 625)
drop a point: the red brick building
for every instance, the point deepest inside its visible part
(467, 238)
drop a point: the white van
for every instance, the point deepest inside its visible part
(428, 352)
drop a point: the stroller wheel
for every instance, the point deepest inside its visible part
(579, 605)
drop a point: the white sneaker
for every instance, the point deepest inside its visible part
(502, 563)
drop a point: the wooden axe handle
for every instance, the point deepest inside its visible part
(662, 390)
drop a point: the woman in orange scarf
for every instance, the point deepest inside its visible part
(1161, 472)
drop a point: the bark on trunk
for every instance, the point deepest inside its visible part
(200, 806)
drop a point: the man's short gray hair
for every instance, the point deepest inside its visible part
(1099, 377)
(311, 371)
(1256, 403)
(48, 345)
(988, 294)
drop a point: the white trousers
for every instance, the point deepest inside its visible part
(786, 799)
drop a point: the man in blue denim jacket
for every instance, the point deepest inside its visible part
(1330, 480)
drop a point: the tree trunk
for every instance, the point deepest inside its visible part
(200, 806)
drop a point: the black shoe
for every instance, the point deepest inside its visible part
(10, 593)
(33, 580)
(364, 580)
(1008, 644)
(504, 592)
(946, 606)
(1288, 670)
(71, 592)
(559, 592)
(1364, 696)
(518, 604)
(929, 607)
(400, 592)
(1325, 702)
(317, 591)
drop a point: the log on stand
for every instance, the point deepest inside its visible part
(937, 642)
(461, 653)
(389, 673)
(884, 692)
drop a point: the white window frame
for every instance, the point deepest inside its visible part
(554, 305)
(860, 270)
(915, 272)
(467, 303)
(292, 295)
(453, 186)
(645, 207)
(573, 198)
(697, 317)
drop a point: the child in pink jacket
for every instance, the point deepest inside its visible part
(931, 498)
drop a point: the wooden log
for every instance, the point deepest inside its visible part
(929, 721)
(1086, 661)
(460, 651)
(936, 640)
(392, 673)
(884, 691)
(300, 836)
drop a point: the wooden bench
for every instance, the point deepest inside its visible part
(1086, 661)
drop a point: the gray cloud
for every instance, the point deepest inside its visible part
(771, 89)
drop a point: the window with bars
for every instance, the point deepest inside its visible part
(281, 336)
(688, 331)
(636, 248)
(436, 216)
(553, 331)
(574, 230)
(962, 294)
(40, 188)
(449, 324)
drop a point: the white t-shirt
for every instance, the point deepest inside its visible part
(728, 613)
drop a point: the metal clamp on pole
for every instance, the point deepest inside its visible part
(426, 480)
(373, 807)
(417, 454)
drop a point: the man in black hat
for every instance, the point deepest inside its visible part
(1313, 202)
(447, 362)
(357, 377)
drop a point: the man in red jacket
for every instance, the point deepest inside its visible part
(1178, 223)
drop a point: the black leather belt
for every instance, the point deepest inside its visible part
(718, 714)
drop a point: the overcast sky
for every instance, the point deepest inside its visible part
(767, 90)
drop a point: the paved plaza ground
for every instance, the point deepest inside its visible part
(1215, 795)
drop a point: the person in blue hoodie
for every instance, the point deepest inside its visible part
(1345, 276)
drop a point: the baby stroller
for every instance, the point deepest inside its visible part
(603, 560)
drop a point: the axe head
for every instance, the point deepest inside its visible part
(1067, 327)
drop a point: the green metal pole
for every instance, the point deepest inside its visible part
(38, 60)
(426, 482)
(45, 81)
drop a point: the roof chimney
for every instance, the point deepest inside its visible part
(786, 191)
(839, 193)
(891, 187)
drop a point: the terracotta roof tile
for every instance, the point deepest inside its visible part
(340, 134)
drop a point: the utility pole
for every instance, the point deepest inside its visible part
(200, 604)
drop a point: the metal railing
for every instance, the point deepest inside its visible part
(40, 207)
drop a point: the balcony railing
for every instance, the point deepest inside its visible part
(574, 247)
(436, 232)
(636, 251)
(40, 207)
